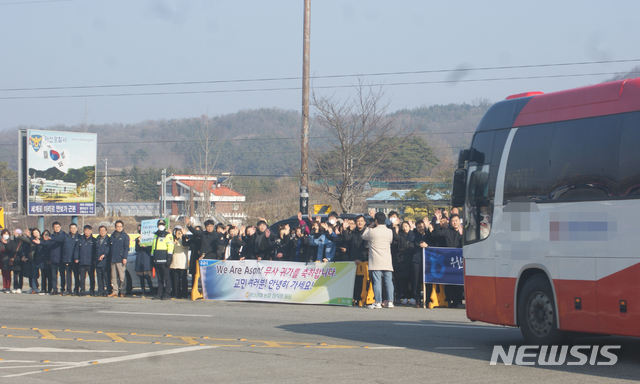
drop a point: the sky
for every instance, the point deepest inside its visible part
(428, 53)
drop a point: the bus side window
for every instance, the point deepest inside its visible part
(527, 172)
(629, 162)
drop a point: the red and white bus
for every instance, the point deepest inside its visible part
(551, 196)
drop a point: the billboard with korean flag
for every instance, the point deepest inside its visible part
(61, 173)
(279, 281)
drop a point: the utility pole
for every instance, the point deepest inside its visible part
(304, 167)
(105, 186)
(164, 193)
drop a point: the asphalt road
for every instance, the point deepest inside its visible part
(80, 339)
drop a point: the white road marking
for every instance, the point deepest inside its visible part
(455, 348)
(120, 359)
(386, 348)
(152, 313)
(453, 326)
(54, 350)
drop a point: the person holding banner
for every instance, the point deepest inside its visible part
(143, 265)
(248, 240)
(162, 253)
(263, 243)
(380, 264)
(453, 239)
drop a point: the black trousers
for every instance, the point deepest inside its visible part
(71, 274)
(46, 282)
(18, 279)
(102, 275)
(164, 280)
(92, 277)
(179, 283)
(416, 281)
(82, 278)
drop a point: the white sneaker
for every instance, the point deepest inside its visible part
(374, 306)
(390, 304)
(13, 291)
(18, 290)
(412, 302)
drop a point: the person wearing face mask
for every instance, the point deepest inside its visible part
(179, 265)
(7, 253)
(162, 253)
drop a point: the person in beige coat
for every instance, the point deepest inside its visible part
(179, 265)
(380, 264)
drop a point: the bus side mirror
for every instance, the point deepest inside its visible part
(458, 188)
(463, 156)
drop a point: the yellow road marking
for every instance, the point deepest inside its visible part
(115, 337)
(190, 340)
(48, 334)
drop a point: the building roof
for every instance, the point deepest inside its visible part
(199, 185)
(225, 191)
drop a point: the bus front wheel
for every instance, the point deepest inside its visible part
(537, 312)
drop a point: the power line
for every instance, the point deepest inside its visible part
(399, 73)
(35, 2)
(298, 88)
(254, 139)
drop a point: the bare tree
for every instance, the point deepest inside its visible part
(204, 161)
(361, 135)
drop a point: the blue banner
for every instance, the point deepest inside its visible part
(443, 266)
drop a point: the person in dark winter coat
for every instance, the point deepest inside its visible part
(29, 267)
(221, 241)
(300, 244)
(358, 248)
(235, 243)
(208, 239)
(283, 246)
(402, 252)
(263, 243)
(43, 263)
(86, 255)
(119, 251)
(13, 252)
(193, 242)
(68, 255)
(144, 265)
(34, 247)
(248, 247)
(55, 257)
(452, 234)
(102, 261)
(19, 260)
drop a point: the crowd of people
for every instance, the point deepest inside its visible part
(392, 247)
